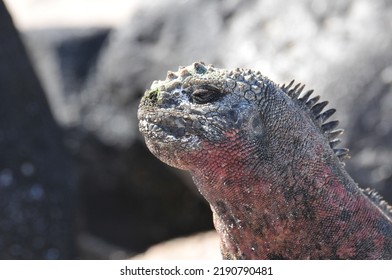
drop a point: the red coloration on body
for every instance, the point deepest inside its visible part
(223, 175)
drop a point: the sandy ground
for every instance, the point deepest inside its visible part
(29, 14)
(200, 246)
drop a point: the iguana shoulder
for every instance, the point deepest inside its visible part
(266, 160)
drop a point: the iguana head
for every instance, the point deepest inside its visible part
(196, 106)
(201, 108)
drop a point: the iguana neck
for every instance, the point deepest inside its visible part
(304, 211)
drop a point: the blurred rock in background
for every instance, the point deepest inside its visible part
(37, 176)
(95, 74)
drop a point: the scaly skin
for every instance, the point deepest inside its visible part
(262, 158)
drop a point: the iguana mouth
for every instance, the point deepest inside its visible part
(170, 127)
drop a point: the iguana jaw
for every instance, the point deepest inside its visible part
(165, 134)
(173, 127)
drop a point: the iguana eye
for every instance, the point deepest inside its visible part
(205, 94)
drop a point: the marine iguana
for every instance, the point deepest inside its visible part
(265, 159)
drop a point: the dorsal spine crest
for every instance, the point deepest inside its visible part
(315, 110)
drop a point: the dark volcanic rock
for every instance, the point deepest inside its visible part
(134, 201)
(37, 180)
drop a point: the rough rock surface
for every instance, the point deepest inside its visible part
(37, 178)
